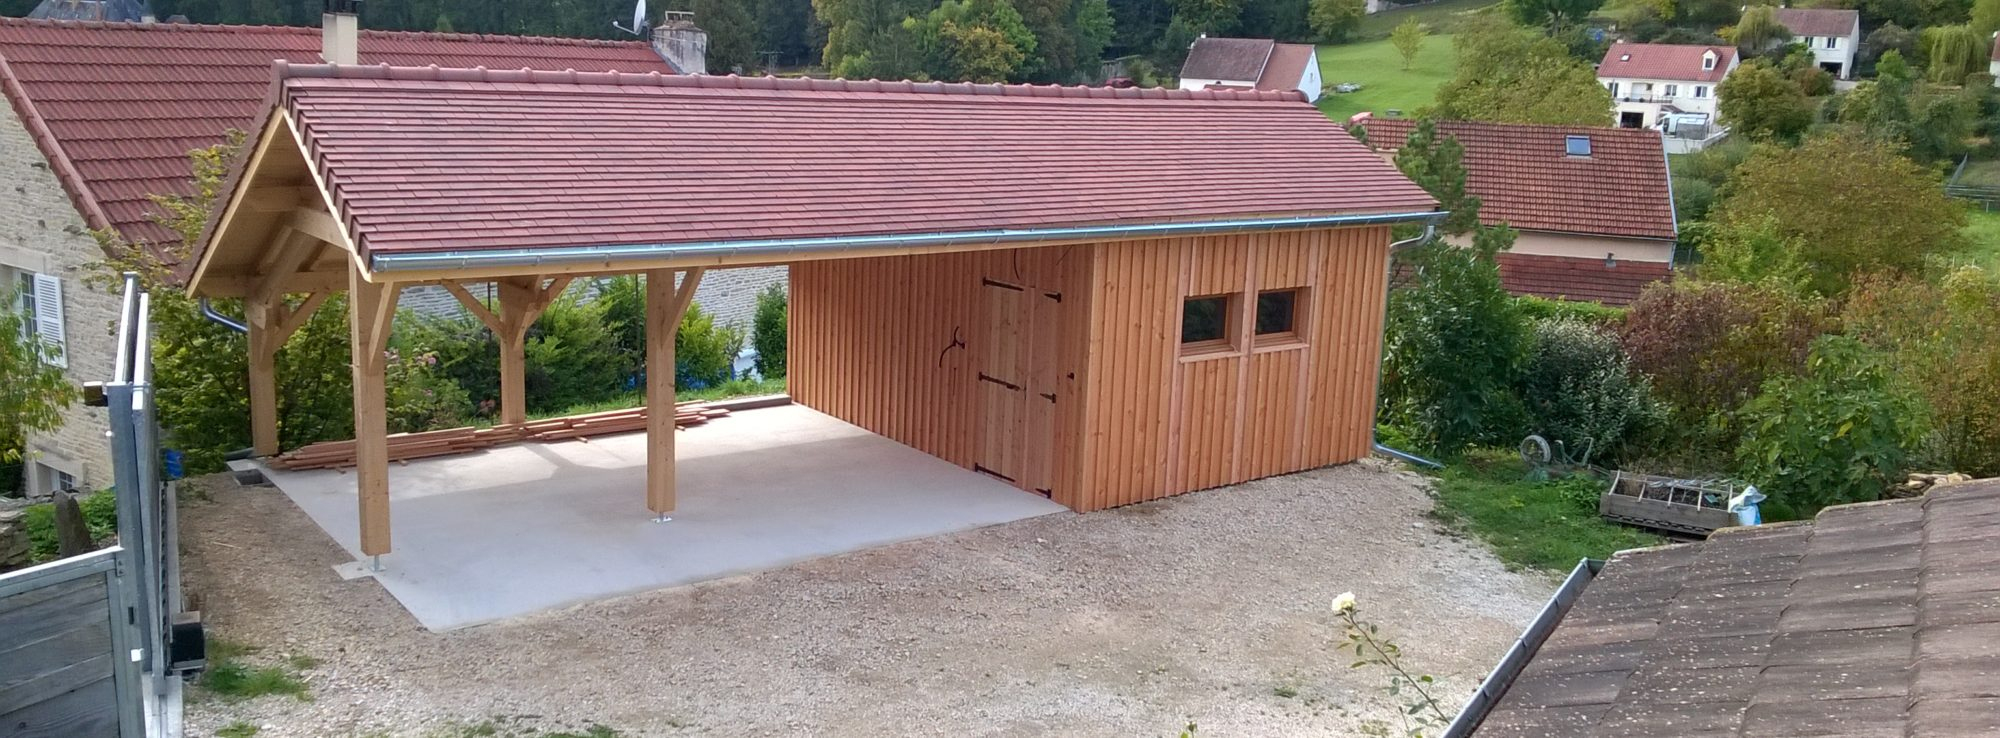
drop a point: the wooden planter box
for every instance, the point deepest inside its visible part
(1682, 506)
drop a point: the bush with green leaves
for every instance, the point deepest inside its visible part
(1453, 351)
(100, 516)
(1841, 432)
(420, 397)
(573, 355)
(1945, 341)
(466, 353)
(1708, 347)
(1579, 390)
(768, 328)
(705, 353)
(1593, 313)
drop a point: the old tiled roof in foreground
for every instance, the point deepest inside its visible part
(1615, 283)
(1878, 619)
(116, 107)
(1523, 175)
(431, 160)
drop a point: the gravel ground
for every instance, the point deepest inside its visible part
(1129, 622)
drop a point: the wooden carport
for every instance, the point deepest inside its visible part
(371, 179)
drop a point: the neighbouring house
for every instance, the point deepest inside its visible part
(1668, 86)
(94, 10)
(1052, 294)
(1593, 205)
(100, 116)
(1834, 35)
(1874, 619)
(1251, 64)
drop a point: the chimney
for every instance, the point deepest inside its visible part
(678, 41)
(340, 31)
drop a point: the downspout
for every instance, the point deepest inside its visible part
(214, 316)
(1430, 233)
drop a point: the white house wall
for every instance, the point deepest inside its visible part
(1683, 98)
(42, 232)
(1309, 82)
(1583, 246)
(1842, 53)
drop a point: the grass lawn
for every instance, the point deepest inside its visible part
(727, 390)
(1980, 174)
(1983, 228)
(1385, 84)
(1441, 16)
(1545, 526)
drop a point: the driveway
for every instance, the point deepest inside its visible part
(1129, 622)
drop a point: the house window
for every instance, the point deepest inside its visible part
(24, 303)
(1708, 62)
(1205, 324)
(1700, 91)
(1576, 145)
(1613, 87)
(1673, 90)
(1833, 42)
(1277, 316)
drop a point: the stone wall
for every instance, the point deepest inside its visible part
(42, 232)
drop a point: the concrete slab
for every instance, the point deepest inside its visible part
(518, 529)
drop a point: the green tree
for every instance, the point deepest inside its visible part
(1758, 29)
(866, 39)
(1954, 53)
(1213, 17)
(1550, 14)
(33, 391)
(732, 34)
(1333, 20)
(1454, 348)
(1848, 204)
(1985, 17)
(1408, 38)
(768, 331)
(973, 41)
(1841, 433)
(1758, 102)
(1511, 75)
(1437, 165)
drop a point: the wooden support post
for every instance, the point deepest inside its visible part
(522, 300)
(371, 309)
(664, 307)
(263, 376)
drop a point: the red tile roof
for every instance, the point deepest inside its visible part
(117, 106)
(1594, 280)
(1819, 21)
(1523, 176)
(1664, 61)
(429, 160)
(1232, 59)
(1288, 63)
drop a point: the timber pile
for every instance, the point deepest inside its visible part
(406, 446)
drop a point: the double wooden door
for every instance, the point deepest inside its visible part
(1017, 377)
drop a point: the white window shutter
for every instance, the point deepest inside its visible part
(49, 316)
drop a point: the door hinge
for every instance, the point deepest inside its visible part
(984, 377)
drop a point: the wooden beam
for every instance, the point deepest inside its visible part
(371, 308)
(473, 305)
(664, 307)
(318, 224)
(277, 199)
(294, 250)
(264, 320)
(296, 318)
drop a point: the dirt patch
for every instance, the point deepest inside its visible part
(1210, 606)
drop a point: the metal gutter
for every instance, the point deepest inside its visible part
(208, 311)
(1430, 232)
(781, 249)
(1523, 651)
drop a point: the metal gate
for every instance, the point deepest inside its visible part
(87, 644)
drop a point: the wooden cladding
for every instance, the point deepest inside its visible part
(959, 355)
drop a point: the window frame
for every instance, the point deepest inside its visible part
(1295, 335)
(1224, 345)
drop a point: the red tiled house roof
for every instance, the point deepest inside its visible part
(1265, 64)
(1819, 21)
(116, 106)
(465, 160)
(1571, 278)
(1523, 175)
(1664, 61)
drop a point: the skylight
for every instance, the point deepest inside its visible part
(1577, 145)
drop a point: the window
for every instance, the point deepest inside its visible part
(1613, 87)
(1205, 324)
(41, 312)
(1673, 90)
(24, 299)
(1277, 316)
(1708, 61)
(1576, 145)
(1833, 42)
(1700, 91)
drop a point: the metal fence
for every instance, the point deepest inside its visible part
(88, 644)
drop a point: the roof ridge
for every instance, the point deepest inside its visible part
(288, 71)
(310, 30)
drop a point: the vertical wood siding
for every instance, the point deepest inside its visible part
(871, 343)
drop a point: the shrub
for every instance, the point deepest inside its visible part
(1453, 352)
(623, 300)
(1840, 433)
(315, 380)
(466, 353)
(420, 397)
(573, 355)
(100, 515)
(1578, 389)
(1708, 347)
(705, 353)
(769, 327)
(1945, 341)
(1543, 308)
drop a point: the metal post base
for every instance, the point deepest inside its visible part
(663, 518)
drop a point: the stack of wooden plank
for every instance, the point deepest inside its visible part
(406, 446)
